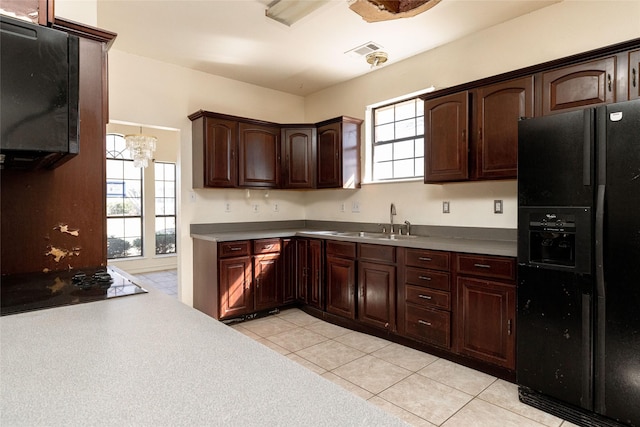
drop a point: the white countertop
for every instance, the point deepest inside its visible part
(149, 360)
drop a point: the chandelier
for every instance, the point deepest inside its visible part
(141, 148)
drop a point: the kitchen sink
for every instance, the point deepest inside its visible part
(376, 235)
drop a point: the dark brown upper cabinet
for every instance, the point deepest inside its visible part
(216, 143)
(258, 155)
(577, 86)
(338, 155)
(634, 77)
(298, 157)
(497, 109)
(446, 138)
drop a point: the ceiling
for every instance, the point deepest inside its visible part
(234, 38)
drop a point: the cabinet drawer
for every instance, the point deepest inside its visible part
(265, 246)
(229, 249)
(382, 253)
(487, 266)
(427, 278)
(341, 249)
(424, 324)
(427, 297)
(428, 259)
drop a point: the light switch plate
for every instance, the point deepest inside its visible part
(255, 207)
(355, 206)
(498, 206)
(227, 207)
(445, 207)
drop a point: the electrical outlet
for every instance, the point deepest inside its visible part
(255, 207)
(276, 208)
(355, 206)
(342, 207)
(498, 206)
(192, 196)
(227, 207)
(445, 207)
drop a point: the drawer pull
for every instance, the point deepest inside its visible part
(424, 296)
(422, 322)
(235, 249)
(267, 247)
(424, 277)
(424, 258)
(482, 265)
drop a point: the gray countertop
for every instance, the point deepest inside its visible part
(149, 360)
(454, 244)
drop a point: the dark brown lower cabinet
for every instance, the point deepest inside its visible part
(341, 283)
(486, 320)
(236, 296)
(429, 325)
(315, 288)
(289, 271)
(376, 296)
(267, 281)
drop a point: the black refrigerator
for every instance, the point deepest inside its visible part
(578, 309)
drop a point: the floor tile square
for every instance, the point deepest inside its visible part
(405, 357)
(268, 326)
(505, 395)
(479, 413)
(358, 391)
(371, 373)
(329, 330)
(426, 398)
(304, 362)
(363, 342)
(457, 376)
(298, 317)
(273, 346)
(406, 416)
(330, 354)
(297, 339)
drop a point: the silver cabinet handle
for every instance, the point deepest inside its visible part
(236, 249)
(482, 265)
(424, 277)
(267, 247)
(424, 258)
(424, 296)
(609, 82)
(422, 322)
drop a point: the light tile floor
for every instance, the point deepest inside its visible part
(417, 387)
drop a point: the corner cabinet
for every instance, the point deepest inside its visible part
(215, 148)
(338, 155)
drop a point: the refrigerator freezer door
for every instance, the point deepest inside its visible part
(555, 157)
(554, 340)
(620, 380)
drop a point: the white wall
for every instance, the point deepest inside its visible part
(559, 30)
(155, 93)
(85, 11)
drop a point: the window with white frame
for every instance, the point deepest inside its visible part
(398, 140)
(165, 193)
(124, 201)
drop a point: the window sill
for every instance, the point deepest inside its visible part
(394, 181)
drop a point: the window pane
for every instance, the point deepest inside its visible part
(170, 207)
(160, 207)
(382, 153)
(384, 133)
(160, 189)
(405, 128)
(406, 109)
(403, 168)
(383, 170)
(384, 115)
(419, 147)
(165, 226)
(403, 150)
(419, 166)
(159, 172)
(419, 107)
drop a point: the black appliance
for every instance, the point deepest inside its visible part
(39, 78)
(36, 291)
(578, 309)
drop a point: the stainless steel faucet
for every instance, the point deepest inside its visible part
(408, 225)
(391, 214)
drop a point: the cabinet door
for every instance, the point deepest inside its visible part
(446, 138)
(221, 146)
(634, 74)
(341, 278)
(486, 321)
(298, 157)
(267, 281)
(376, 296)
(578, 86)
(498, 108)
(236, 297)
(315, 295)
(259, 156)
(289, 271)
(302, 270)
(330, 156)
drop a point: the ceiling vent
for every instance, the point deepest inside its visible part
(364, 50)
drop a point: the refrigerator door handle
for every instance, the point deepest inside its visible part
(600, 306)
(599, 249)
(586, 148)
